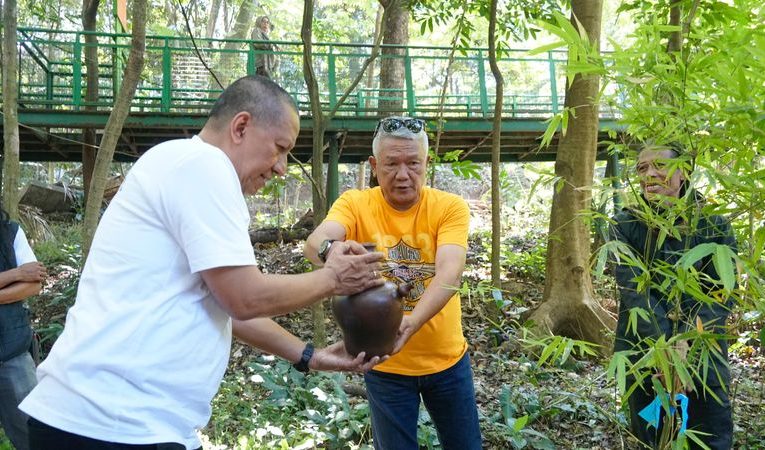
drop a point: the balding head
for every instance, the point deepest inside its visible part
(265, 100)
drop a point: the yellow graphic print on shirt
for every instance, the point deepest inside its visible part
(410, 239)
(405, 265)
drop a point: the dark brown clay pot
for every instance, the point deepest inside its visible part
(370, 319)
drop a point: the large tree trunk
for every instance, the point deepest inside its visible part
(392, 74)
(213, 19)
(113, 128)
(569, 307)
(496, 203)
(10, 111)
(317, 156)
(241, 30)
(89, 12)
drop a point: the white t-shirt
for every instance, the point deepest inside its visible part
(145, 345)
(24, 253)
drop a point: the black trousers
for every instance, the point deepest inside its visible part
(45, 437)
(705, 414)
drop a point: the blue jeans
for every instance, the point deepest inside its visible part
(449, 396)
(17, 378)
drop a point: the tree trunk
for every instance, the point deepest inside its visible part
(496, 203)
(569, 307)
(114, 124)
(89, 12)
(10, 55)
(317, 157)
(392, 75)
(213, 19)
(370, 83)
(228, 60)
(675, 42)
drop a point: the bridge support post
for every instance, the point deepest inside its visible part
(410, 100)
(333, 179)
(482, 85)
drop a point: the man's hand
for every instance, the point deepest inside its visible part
(31, 272)
(354, 268)
(335, 357)
(408, 327)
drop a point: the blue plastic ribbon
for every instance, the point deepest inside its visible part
(652, 411)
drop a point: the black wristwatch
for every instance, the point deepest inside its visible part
(302, 365)
(324, 249)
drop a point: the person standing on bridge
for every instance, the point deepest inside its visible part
(147, 341)
(423, 232)
(266, 62)
(20, 278)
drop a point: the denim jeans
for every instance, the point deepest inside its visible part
(17, 378)
(449, 396)
(705, 414)
(46, 437)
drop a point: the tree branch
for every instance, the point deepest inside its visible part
(372, 56)
(194, 43)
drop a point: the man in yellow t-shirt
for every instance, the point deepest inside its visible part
(423, 233)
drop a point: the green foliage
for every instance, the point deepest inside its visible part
(62, 256)
(556, 350)
(273, 405)
(514, 18)
(462, 168)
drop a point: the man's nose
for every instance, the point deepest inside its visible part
(402, 172)
(280, 168)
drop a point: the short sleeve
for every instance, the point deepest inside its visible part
(209, 219)
(455, 223)
(343, 212)
(24, 253)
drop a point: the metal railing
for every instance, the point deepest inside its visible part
(53, 73)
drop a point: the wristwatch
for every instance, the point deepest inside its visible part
(302, 365)
(324, 249)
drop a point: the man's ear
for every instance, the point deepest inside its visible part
(373, 162)
(239, 124)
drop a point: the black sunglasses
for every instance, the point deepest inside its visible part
(391, 124)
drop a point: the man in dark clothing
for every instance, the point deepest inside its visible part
(20, 277)
(672, 311)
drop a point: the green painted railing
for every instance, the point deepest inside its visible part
(53, 74)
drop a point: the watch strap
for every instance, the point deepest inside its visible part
(302, 365)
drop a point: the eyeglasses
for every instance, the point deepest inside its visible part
(391, 124)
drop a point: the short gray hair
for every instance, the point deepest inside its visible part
(402, 133)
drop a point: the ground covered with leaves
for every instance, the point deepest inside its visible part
(263, 403)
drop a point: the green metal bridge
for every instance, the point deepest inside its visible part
(177, 90)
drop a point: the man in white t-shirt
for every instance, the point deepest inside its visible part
(20, 278)
(147, 341)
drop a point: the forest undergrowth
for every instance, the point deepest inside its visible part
(264, 403)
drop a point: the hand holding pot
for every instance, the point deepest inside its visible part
(408, 327)
(335, 357)
(354, 269)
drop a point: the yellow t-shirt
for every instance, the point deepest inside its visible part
(409, 240)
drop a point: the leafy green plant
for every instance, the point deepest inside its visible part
(516, 426)
(461, 167)
(273, 405)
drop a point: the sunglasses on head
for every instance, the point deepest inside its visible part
(391, 124)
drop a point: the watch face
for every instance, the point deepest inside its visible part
(324, 249)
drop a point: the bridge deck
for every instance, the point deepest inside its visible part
(177, 90)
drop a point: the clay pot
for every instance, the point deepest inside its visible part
(370, 319)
